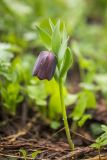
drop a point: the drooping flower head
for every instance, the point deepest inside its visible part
(45, 65)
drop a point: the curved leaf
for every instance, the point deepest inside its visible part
(56, 38)
(45, 37)
(67, 62)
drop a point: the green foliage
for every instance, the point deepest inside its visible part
(24, 153)
(5, 57)
(35, 153)
(86, 100)
(45, 38)
(13, 74)
(55, 124)
(13, 93)
(27, 156)
(102, 140)
(34, 92)
(95, 129)
(86, 24)
(63, 54)
(17, 83)
(56, 38)
(63, 46)
(66, 62)
(84, 118)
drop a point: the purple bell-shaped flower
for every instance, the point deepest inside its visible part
(45, 65)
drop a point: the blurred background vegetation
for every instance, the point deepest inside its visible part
(86, 23)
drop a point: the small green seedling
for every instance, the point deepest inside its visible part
(24, 153)
(55, 63)
(33, 155)
(101, 141)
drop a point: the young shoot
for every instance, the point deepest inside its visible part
(55, 62)
(101, 141)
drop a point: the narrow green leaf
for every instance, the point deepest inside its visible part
(56, 38)
(62, 50)
(34, 154)
(84, 118)
(51, 24)
(56, 75)
(63, 45)
(80, 107)
(91, 99)
(67, 62)
(24, 152)
(45, 37)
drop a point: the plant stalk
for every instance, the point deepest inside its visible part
(65, 115)
(99, 153)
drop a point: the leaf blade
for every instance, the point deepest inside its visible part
(67, 62)
(45, 37)
(56, 38)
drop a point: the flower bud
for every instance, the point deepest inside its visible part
(45, 65)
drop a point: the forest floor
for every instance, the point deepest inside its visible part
(35, 135)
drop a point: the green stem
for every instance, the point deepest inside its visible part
(65, 115)
(99, 153)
